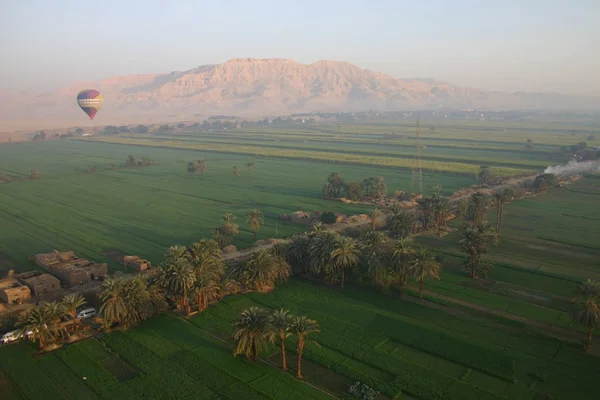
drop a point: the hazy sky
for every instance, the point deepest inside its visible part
(531, 45)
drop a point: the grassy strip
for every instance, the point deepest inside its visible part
(393, 162)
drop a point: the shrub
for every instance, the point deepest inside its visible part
(328, 218)
(362, 391)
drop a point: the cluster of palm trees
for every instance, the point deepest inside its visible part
(199, 273)
(255, 327)
(477, 236)
(224, 233)
(327, 255)
(128, 301)
(198, 166)
(47, 324)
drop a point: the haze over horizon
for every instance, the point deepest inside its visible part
(538, 46)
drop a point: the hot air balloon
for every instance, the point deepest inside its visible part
(90, 101)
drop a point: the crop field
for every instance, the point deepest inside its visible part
(166, 358)
(550, 243)
(144, 210)
(402, 348)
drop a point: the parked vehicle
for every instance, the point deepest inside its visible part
(87, 313)
(13, 336)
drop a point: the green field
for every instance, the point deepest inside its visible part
(508, 337)
(144, 210)
(402, 348)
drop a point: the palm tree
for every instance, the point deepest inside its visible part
(320, 261)
(475, 240)
(263, 269)
(56, 313)
(424, 266)
(403, 251)
(344, 255)
(250, 331)
(255, 219)
(301, 327)
(250, 166)
(441, 209)
(477, 207)
(374, 213)
(501, 198)
(400, 222)
(202, 167)
(208, 265)
(221, 235)
(278, 323)
(70, 303)
(37, 323)
(588, 311)
(178, 277)
(112, 295)
(191, 167)
(229, 225)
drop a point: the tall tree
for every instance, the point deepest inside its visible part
(250, 330)
(278, 323)
(484, 174)
(229, 224)
(263, 269)
(37, 323)
(209, 267)
(177, 276)
(336, 182)
(426, 211)
(191, 167)
(320, 262)
(344, 255)
(424, 267)
(255, 219)
(221, 235)
(501, 197)
(301, 327)
(250, 166)
(374, 213)
(201, 167)
(475, 240)
(400, 222)
(441, 210)
(403, 251)
(112, 296)
(478, 205)
(70, 304)
(587, 310)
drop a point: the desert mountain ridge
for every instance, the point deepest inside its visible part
(250, 87)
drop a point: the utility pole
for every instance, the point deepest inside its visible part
(416, 181)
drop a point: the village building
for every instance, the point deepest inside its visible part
(138, 264)
(40, 284)
(12, 291)
(70, 268)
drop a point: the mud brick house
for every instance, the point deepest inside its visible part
(70, 268)
(41, 284)
(12, 291)
(136, 263)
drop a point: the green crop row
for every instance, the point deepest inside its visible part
(393, 162)
(389, 151)
(66, 378)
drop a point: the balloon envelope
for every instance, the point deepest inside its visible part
(90, 101)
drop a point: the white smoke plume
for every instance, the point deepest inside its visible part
(573, 168)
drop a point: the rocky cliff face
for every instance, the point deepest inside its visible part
(259, 87)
